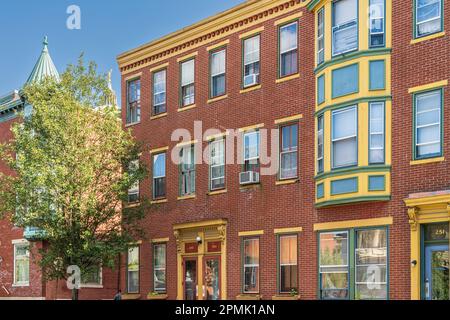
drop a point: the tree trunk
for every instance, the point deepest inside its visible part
(75, 294)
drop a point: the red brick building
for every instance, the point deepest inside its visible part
(359, 208)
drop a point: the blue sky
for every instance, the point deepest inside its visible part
(108, 28)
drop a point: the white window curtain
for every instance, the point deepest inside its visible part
(289, 38)
(188, 72)
(251, 50)
(428, 16)
(218, 63)
(345, 26)
(345, 11)
(345, 144)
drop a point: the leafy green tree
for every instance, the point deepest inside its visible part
(70, 161)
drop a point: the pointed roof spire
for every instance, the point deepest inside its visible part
(44, 66)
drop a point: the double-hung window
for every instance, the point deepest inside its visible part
(187, 171)
(159, 267)
(92, 277)
(134, 101)
(218, 73)
(251, 265)
(188, 83)
(289, 49)
(345, 26)
(345, 137)
(217, 164)
(428, 124)
(21, 264)
(334, 265)
(133, 192)
(428, 14)
(159, 176)
(289, 152)
(133, 270)
(320, 36)
(376, 135)
(320, 147)
(251, 151)
(159, 92)
(288, 259)
(376, 21)
(251, 61)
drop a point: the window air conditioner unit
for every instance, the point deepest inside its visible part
(251, 80)
(248, 177)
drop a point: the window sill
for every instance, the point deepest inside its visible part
(160, 201)
(287, 78)
(217, 99)
(426, 161)
(186, 197)
(132, 124)
(193, 106)
(213, 193)
(152, 296)
(20, 285)
(286, 297)
(132, 205)
(430, 37)
(287, 181)
(248, 296)
(158, 116)
(92, 286)
(131, 296)
(249, 89)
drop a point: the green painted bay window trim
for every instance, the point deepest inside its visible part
(415, 36)
(345, 171)
(335, 192)
(333, 96)
(376, 177)
(372, 62)
(414, 96)
(279, 75)
(352, 56)
(350, 103)
(352, 200)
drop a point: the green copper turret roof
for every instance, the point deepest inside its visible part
(44, 66)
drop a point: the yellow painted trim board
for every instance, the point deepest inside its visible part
(160, 240)
(217, 99)
(289, 119)
(288, 19)
(429, 86)
(294, 76)
(187, 108)
(160, 67)
(192, 225)
(159, 116)
(187, 143)
(426, 161)
(250, 89)
(286, 182)
(217, 136)
(159, 201)
(186, 198)
(158, 150)
(251, 32)
(218, 45)
(353, 224)
(445, 198)
(134, 76)
(213, 193)
(430, 37)
(288, 230)
(188, 56)
(253, 127)
(251, 233)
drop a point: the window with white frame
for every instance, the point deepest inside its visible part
(289, 49)
(334, 265)
(321, 36)
(288, 259)
(159, 176)
(134, 101)
(376, 21)
(188, 82)
(320, 144)
(21, 263)
(133, 192)
(345, 26)
(376, 135)
(159, 267)
(251, 151)
(427, 119)
(428, 14)
(218, 73)
(187, 171)
(159, 92)
(217, 164)
(251, 265)
(133, 270)
(289, 152)
(345, 137)
(251, 61)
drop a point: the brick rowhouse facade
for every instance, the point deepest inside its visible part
(412, 195)
(34, 287)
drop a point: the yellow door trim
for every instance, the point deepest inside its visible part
(353, 224)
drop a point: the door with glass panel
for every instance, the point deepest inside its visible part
(211, 274)
(190, 283)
